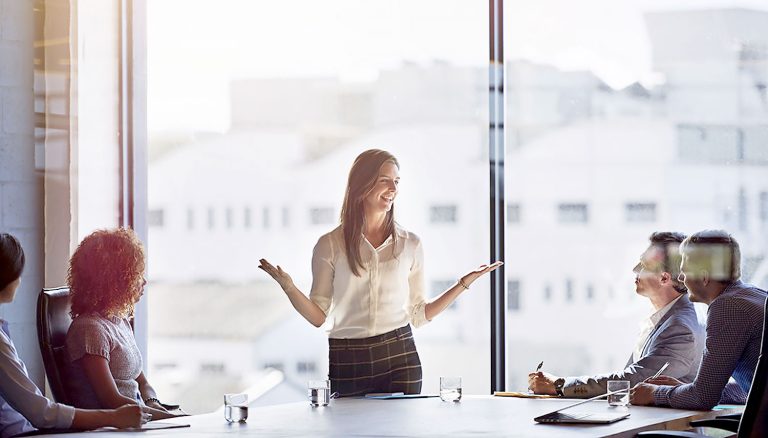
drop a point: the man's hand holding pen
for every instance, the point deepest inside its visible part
(642, 393)
(540, 382)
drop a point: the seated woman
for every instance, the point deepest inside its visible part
(22, 407)
(106, 279)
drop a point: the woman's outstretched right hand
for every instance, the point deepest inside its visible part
(277, 273)
(309, 310)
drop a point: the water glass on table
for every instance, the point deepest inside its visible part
(621, 398)
(319, 392)
(235, 408)
(450, 389)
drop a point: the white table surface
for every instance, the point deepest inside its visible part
(427, 417)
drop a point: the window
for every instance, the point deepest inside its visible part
(166, 366)
(286, 217)
(212, 368)
(280, 131)
(190, 218)
(229, 216)
(640, 211)
(305, 367)
(274, 365)
(513, 295)
(247, 217)
(703, 143)
(211, 218)
(572, 213)
(764, 207)
(441, 214)
(321, 216)
(547, 293)
(265, 217)
(513, 213)
(708, 143)
(603, 156)
(156, 217)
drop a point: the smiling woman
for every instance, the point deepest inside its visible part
(368, 282)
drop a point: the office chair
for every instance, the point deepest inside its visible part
(53, 322)
(753, 422)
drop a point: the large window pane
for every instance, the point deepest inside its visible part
(256, 113)
(624, 118)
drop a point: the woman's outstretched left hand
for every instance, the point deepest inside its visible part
(481, 270)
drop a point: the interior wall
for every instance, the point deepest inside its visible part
(21, 184)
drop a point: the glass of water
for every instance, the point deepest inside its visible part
(450, 389)
(319, 392)
(620, 398)
(235, 408)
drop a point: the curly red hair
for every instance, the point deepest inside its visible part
(106, 273)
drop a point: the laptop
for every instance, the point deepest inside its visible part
(583, 417)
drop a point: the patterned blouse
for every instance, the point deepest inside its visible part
(112, 339)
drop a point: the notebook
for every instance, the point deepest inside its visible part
(396, 395)
(521, 394)
(152, 425)
(583, 417)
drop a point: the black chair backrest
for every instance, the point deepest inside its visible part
(53, 322)
(754, 420)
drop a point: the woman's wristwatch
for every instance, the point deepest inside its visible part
(151, 399)
(559, 383)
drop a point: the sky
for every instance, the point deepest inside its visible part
(196, 47)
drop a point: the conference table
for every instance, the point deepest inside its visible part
(422, 417)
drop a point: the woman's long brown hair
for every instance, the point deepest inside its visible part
(362, 178)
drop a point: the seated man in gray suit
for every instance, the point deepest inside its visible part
(672, 334)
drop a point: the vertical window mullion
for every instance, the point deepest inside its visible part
(497, 202)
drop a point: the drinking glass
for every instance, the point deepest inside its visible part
(620, 398)
(450, 389)
(235, 408)
(319, 392)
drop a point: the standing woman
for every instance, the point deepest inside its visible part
(23, 409)
(368, 280)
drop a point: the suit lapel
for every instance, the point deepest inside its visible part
(680, 302)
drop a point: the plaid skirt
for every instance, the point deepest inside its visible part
(383, 363)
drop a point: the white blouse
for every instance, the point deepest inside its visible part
(388, 294)
(21, 402)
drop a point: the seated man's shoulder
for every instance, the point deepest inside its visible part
(683, 314)
(743, 298)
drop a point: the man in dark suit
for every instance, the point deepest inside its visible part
(672, 334)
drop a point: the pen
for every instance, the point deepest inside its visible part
(661, 370)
